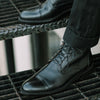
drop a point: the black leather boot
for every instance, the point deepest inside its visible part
(50, 10)
(67, 66)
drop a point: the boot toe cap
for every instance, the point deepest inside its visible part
(35, 85)
(31, 13)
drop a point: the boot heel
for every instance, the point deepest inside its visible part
(86, 74)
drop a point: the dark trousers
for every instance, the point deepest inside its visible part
(83, 29)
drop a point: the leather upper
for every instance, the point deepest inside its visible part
(48, 10)
(64, 65)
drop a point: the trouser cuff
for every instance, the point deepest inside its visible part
(78, 41)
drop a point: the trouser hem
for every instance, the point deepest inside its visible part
(77, 41)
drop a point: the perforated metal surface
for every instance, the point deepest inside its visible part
(9, 26)
(85, 89)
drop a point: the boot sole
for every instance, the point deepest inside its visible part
(76, 77)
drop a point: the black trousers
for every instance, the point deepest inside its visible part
(83, 29)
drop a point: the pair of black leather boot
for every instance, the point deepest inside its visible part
(67, 66)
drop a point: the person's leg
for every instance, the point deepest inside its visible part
(83, 28)
(71, 62)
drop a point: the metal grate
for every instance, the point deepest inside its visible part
(10, 9)
(9, 26)
(85, 89)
